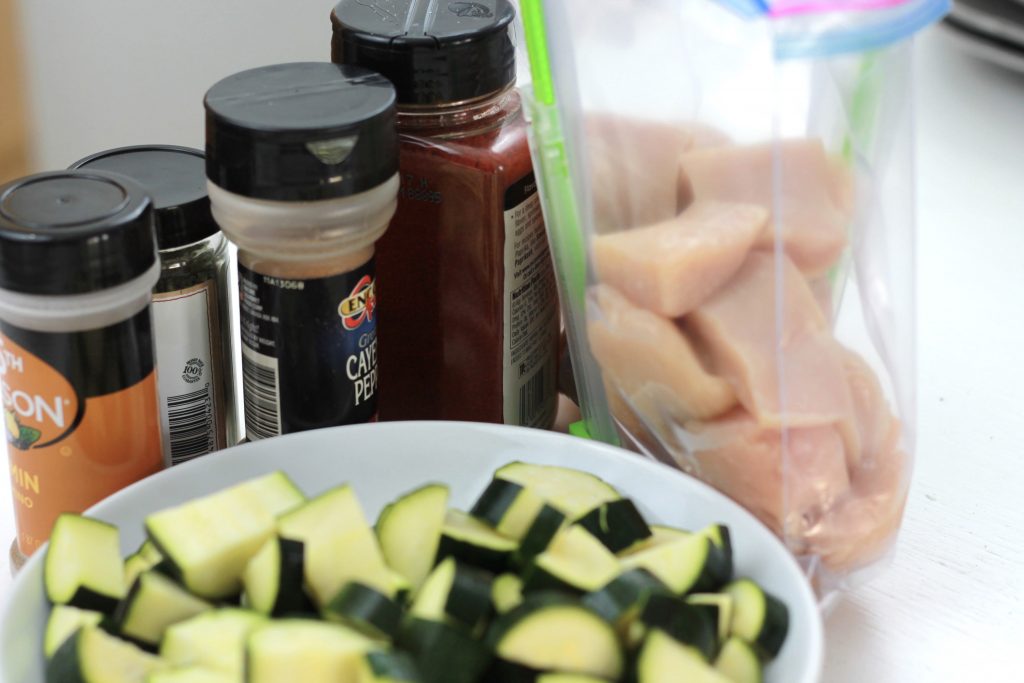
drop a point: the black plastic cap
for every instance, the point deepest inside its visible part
(299, 132)
(175, 178)
(72, 232)
(435, 52)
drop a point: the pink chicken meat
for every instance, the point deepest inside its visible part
(766, 334)
(808, 195)
(672, 266)
(649, 357)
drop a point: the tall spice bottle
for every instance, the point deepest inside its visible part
(77, 366)
(191, 316)
(469, 325)
(302, 164)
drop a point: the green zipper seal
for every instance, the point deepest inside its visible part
(568, 245)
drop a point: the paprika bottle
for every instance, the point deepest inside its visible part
(469, 317)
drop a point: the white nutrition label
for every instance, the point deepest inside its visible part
(531, 312)
(186, 332)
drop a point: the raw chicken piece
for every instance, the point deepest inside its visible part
(745, 461)
(774, 347)
(634, 169)
(864, 525)
(871, 416)
(821, 288)
(809, 200)
(672, 266)
(641, 351)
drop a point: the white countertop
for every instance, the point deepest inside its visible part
(951, 605)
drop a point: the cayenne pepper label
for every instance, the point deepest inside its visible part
(76, 430)
(309, 350)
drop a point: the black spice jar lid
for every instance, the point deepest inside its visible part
(175, 178)
(303, 131)
(434, 52)
(72, 232)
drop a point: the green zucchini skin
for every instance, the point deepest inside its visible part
(290, 598)
(366, 610)
(617, 524)
(685, 623)
(537, 538)
(759, 618)
(495, 502)
(625, 594)
(454, 544)
(390, 666)
(444, 653)
(90, 649)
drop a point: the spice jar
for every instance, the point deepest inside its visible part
(190, 301)
(302, 164)
(77, 264)
(470, 329)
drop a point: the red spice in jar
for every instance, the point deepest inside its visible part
(469, 327)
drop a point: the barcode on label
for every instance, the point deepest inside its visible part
(260, 393)
(191, 425)
(531, 397)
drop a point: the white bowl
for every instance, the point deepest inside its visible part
(384, 460)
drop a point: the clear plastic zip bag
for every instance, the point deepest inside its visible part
(728, 188)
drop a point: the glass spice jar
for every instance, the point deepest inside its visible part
(191, 300)
(470, 326)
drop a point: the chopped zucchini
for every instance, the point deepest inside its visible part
(551, 632)
(154, 603)
(738, 661)
(92, 655)
(332, 528)
(545, 525)
(305, 650)
(444, 653)
(663, 659)
(660, 534)
(574, 560)
(621, 601)
(684, 564)
(409, 531)
(214, 640)
(567, 678)
(506, 592)
(62, 624)
(209, 541)
(720, 538)
(469, 540)
(390, 666)
(366, 610)
(719, 606)
(686, 623)
(83, 565)
(509, 507)
(272, 581)
(617, 524)
(758, 617)
(573, 492)
(189, 674)
(457, 593)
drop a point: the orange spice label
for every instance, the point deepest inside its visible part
(73, 437)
